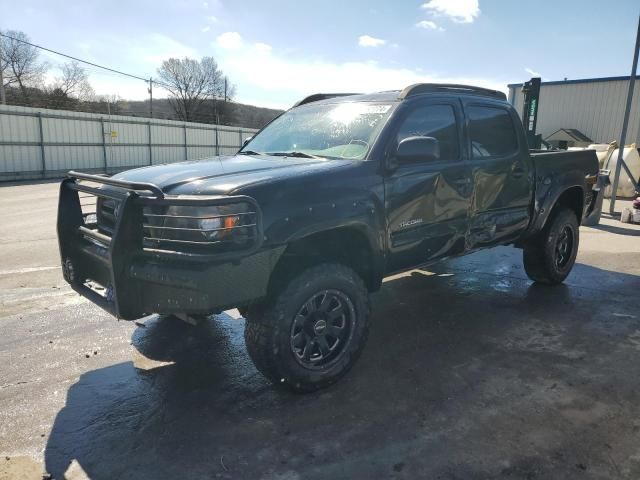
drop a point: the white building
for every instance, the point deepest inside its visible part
(593, 106)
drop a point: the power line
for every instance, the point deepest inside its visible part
(146, 80)
(149, 81)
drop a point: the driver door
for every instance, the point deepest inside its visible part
(427, 201)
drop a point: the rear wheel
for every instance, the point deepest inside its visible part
(550, 256)
(310, 335)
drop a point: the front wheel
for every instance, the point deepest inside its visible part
(550, 256)
(310, 334)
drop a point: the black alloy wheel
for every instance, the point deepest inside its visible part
(550, 255)
(564, 247)
(322, 328)
(310, 333)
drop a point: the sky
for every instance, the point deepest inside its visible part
(276, 52)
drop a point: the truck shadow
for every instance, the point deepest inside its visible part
(461, 370)
(618, 230)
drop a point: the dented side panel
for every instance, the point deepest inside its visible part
(500, 208)
(427, 208)
(427, 203)
(503, 190)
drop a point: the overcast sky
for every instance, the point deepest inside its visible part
(277, 51)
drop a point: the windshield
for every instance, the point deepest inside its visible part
(338, 130)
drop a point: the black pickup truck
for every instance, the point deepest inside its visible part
(313, 212)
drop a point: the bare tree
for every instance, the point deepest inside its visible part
(74, 82)
(19, 62)
(190, 82)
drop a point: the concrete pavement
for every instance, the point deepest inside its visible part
(470, 372)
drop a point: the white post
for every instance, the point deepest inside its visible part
(625, 125)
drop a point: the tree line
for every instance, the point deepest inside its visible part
(198, 90)
(23, 74)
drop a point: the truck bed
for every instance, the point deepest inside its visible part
(557, 171)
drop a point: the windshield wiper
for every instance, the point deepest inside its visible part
(248, 152)
(292, 154)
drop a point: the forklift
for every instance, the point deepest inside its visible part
(531, 94)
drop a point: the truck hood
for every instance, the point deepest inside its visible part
(225, 174)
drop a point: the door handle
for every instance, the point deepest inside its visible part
(517, 172)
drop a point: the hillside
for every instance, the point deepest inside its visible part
(211, 111)
(229, 113)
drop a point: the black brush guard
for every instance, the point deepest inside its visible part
(138, 279)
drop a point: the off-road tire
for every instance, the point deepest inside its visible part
(540, 254)
(268, 329)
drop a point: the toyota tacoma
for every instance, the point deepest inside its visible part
(304, 222)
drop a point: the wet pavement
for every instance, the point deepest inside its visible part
(470, 372)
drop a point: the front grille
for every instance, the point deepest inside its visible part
(93, 218)
(106, 215)
(88, 205)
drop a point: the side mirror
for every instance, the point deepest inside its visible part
(418, 149)
(246, 140)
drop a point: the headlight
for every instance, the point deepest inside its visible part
(210, 227)
(218, 227)
(199, 224)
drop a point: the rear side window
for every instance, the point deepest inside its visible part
(492, 132)
(437, 121)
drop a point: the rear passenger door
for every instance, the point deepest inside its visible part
(501, 175)
(427, 201)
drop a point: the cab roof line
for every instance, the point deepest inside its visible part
(321, 96)
(418, 88)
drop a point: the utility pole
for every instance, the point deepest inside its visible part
(150, 89)
(3, 98)
(224, 104)
(625, 125)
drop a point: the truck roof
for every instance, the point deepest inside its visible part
(400, 95)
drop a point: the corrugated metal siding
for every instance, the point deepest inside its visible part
(75, 140)
(228, 137)
(196, 153)
(19, 159)
(167, 135)
(201, 137)
(168, 154)
(15, 157)
(60, 158)
(594, 108)
(123, 157)
(19, 129)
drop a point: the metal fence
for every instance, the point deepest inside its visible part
(39, 143)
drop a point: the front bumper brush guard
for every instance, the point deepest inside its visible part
(87, 253)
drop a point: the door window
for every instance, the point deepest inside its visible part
(437, 121)
(492, 132)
